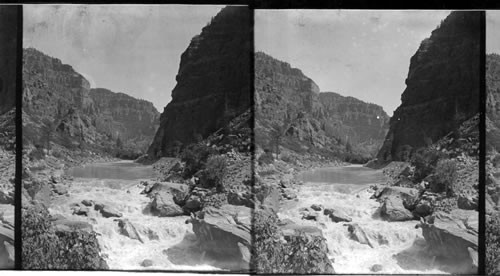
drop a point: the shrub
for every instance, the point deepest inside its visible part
(301, 254)
(446, 175)
(43, 248)
(36, 154)
(492, 237)
(216, 170)
(425, 161)
(195, 157)
(266, 158)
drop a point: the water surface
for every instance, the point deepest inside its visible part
(126, 170)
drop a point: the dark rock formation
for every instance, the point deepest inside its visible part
(442, 87)
(290, 105)
(213, 82)
(58, 102)
(8, 56)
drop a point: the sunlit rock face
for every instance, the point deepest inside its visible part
(55, 94)
(314, 121)
(213, 82)
(442, 87)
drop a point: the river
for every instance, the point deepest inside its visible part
(167, 241)
(397, 246)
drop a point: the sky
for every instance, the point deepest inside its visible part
(134, 49)
(493, 32)
(360, 53)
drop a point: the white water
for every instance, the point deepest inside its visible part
(175, 248)
(398, 246)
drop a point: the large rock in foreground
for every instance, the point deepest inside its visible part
(453, 236)
(167, 198)
(6, 245)
(224, 233)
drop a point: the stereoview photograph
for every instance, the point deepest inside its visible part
(367, 141)
(136, 137)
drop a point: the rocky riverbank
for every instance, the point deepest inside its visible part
(7, 183)
(379, 222)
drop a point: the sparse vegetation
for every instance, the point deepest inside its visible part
(446, 174)
(195, 156)
(425, 160)
(216, 170)
(302, 254)
(44, 248)
(492, 237)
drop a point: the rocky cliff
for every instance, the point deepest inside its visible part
(290, 104)
(59, 107)
(213, 82)
(442, 87)
(493, 102)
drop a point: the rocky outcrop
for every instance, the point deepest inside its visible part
(59, 106)
(213, 82)
(453, 236)
(225, 232)
(289, 105)
(442, 87)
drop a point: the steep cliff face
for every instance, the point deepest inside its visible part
(8, 54)
(213, 82)
(124, 116)
(59, 106)
(325, 123)
(442, 87)
(493, 102)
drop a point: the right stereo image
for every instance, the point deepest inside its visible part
(492, 197)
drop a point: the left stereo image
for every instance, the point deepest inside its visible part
(8, 54)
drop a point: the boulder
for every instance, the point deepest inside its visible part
(7, 196)
(393, 210)
(310, 216)
(452, 236)
(317, 207)
(107, 211)
(336, 215)
(192, 205)
(82, 211)
(224, 232)
(289, 194)
(60, 189)
(240, 198)
(467, 202)
(376, 268)
(87, 202)
(147, 263)
(6, 245)
(163, 205)
(128, 229)
(423, 209)
(358, 234)
(406, 194)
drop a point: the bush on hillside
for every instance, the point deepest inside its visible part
(302, 254)
(195, 156)
(446, 175)
(425, 160)
(266, 158)
(215, 171)
(43, 248)
(492, 236)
